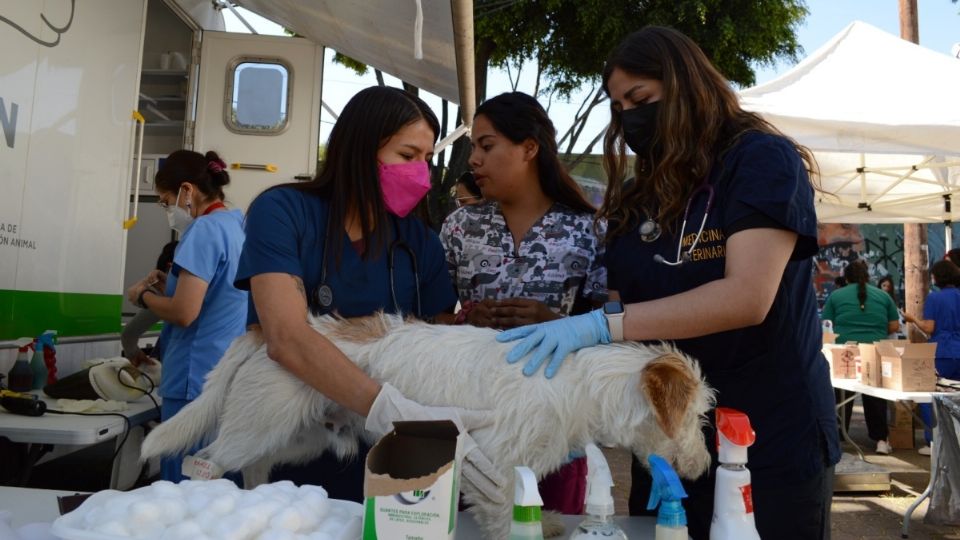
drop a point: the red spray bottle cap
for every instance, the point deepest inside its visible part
(734, 435)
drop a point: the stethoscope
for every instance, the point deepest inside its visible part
(323, 294)
(650, 230)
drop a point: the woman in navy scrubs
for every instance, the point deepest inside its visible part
(345, 242)
(711, 246)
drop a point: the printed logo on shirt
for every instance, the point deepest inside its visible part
(712, 245)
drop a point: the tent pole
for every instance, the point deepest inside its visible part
(947, 224)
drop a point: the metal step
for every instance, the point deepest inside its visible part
(854, 474)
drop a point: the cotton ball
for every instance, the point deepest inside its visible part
(250, 498)
(222, 504)
(221, 484)
(143, 513)
(286, 486)
(233, 530)
(94, 516)
(310, 514)
(114, 528)
(163, 488)
(308, 489)
(288, 518)
(187, 530)
(197, 503)
(332, 525)
(172, 510)
(320, 536)
(153, 531)
(277, 534)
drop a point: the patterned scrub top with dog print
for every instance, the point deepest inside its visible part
(561, 254)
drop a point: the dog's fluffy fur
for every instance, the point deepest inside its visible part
(649, 399)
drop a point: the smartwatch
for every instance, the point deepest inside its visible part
(613, 311)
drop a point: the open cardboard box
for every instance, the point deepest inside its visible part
(842, 360)
(907, 367)
(412, 482)
(870, 365)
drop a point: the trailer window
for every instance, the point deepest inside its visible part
(258, 96)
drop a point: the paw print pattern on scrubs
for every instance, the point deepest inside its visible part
(561, 253)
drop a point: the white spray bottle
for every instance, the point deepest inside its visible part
(526, 523)
(733, 517)
(599, 504)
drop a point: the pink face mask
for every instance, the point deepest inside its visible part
(403, 185)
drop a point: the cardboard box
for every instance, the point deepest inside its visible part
(870, 365)
(907, 368)
(411, 485)
(900, 423)
(844, 361)
(829, 338)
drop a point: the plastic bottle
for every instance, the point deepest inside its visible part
(47, 341)
(20, 376)
(733, 517)
(38, 367)
(667, 491)
(599, 504)
(526, 507)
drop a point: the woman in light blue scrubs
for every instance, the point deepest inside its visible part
(202, 309)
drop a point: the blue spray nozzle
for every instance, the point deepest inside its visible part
(47, 339)
(667, 491)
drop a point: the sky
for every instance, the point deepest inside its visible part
(939, 23)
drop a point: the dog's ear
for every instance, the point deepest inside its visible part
(670, 387)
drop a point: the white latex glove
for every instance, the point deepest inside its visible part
(391, 406)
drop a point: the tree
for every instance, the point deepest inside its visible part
(569, 40)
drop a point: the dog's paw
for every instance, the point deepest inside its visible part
(552, 525)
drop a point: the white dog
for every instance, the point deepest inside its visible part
(644, 398)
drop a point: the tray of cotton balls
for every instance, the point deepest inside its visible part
(212, 510)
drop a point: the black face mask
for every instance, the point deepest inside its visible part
(639, 126)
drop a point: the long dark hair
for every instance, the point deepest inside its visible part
(206, 171)
(518, 117)
(858, 272)
(349, 177)
(945, 274)
(699, 118)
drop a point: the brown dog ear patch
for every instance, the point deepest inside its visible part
(670, 387)
(360, 329)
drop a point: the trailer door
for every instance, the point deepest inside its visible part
(259, 108)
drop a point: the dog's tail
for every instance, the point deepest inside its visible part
(198, 420)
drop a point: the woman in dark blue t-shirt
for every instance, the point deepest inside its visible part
(711, 246)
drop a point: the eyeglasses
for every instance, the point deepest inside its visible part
(464, 201)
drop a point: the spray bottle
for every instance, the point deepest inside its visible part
(733, 496)
(667, 492)
(599, 506)
(47, 342)
(526, 507)
(20, 376)
(38, 367)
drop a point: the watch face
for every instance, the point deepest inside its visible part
(613, 307)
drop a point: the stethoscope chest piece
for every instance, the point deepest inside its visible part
(649, 230)
(324, 296)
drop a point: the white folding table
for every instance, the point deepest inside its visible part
(76, 431)
(851, 385)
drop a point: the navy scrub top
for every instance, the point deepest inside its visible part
(774, 371)
(285, 230)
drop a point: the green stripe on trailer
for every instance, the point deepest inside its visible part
(29, 313)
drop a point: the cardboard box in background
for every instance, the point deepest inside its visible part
(907, 368)
(900, 422)
(829, 338)
(844, 361)
(411, 485)
(869, 365)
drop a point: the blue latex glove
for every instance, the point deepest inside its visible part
(557, 338)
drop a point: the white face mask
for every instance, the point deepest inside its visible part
(178, 218)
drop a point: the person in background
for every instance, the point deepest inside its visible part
(345, 242)
(941, 321)
(145, 319)
(533, 251)
(199, 303)
(953, 256)
(863, 313)
(466, 192)
(711, 245)
(885, 284)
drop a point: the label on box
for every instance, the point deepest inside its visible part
(886, 369)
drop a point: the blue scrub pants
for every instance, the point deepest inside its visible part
(946, 367)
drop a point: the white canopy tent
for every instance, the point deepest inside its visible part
(882, 116)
